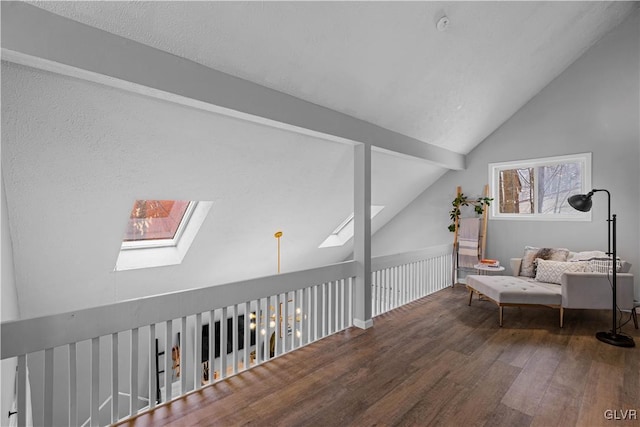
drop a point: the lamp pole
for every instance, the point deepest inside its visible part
(583, 203)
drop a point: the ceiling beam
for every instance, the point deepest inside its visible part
(37, 38)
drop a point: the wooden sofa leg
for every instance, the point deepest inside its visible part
(500, 316)
(634, 314)
(470, 295)
(561, 316)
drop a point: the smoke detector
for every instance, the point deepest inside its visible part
(443, 23)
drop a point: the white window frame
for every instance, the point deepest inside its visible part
(584, 159)
(163, 252)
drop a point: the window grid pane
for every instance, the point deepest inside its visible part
(538, 189)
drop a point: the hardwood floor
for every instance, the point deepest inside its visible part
(434, 362)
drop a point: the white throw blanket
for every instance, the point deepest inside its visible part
(468, 234)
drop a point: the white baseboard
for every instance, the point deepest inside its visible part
(363, 324)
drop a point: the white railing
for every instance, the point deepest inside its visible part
(101, 364)
(402, 278)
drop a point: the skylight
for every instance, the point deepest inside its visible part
(156, 223)
(344, 231)
(160, 232)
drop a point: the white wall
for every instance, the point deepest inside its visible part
(9, 310)
(591, 107)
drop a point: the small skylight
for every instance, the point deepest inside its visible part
(159, 232)
(344, 231)
(154, 223)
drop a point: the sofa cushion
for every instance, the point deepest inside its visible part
(515, 290)
(531, 253)
(552, 271)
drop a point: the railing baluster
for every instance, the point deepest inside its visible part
(234, 339)
(73, 386)
(260, 327)
(279, 305)
(223, 343)
(197, 353)
(212, 346)
(133, 380)
(183, 356)
(152, 366)
(306, 320)
(299, 312)
(95, 382)
(323, 310)
(329, 308)
(246, 359)
(287, 337)
(351, 301)
(115, 409)
(387, 292)
(48, 387)
(168, 353)
(314, 312)
(22, 390)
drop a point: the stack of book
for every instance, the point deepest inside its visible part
(490, 262)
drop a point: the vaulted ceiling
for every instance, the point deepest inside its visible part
(76, 154)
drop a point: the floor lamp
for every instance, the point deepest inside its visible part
(582, 202)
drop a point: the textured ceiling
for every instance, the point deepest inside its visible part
(383, 62)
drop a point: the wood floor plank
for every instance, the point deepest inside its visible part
(437, 362)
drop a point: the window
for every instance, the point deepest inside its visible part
(154, 223)
(344, 232)
(538, 189)
(160, 232)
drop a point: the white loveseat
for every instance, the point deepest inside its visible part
(567, 289)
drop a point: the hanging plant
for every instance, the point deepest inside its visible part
(478, 206)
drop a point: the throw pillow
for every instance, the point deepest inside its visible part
(603, 265)
(551, 271)
(531, 253)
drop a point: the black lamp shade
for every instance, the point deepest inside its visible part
(581, 202)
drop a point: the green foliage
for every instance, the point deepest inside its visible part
(461, 200)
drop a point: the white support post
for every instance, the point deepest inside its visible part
(362, 235)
